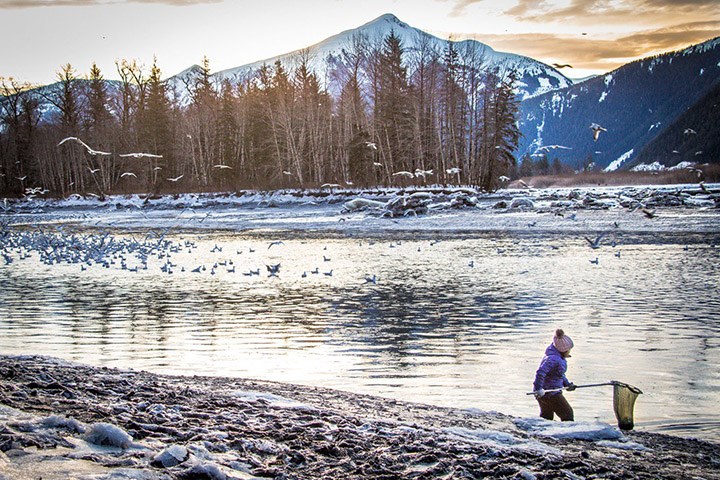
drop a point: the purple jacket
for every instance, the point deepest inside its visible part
(551, 372)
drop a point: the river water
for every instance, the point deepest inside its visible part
(453, 319)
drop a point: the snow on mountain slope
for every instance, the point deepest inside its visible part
(634, 103)
(534, 77)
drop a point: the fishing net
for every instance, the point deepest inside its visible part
(624, 397)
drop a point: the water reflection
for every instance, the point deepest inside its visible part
(462, 322)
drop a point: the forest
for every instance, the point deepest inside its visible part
(379, 115)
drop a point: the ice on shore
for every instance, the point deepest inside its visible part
(593, 431)
(502, 441)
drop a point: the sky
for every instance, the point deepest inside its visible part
(38, 37)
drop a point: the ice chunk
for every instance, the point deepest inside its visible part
(171, 456)
(106, 434)
(624, 445)
(61, 421)
(204, 470)
(275, 400)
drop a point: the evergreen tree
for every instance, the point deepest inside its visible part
(503, 133)
(393, 109)
(156, 129)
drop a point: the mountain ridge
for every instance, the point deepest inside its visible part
(536, 77)
(634, 103)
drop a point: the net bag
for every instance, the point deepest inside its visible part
(624, 397)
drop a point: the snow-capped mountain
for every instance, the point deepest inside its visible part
(634, 103)
(534, 77)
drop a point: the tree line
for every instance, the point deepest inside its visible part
(379, 115)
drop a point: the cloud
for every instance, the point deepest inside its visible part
(459, 6)
(594, 11)
(16, 4)
(605, 54)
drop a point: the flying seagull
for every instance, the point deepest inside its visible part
(594, 244)
(128, 174)
(421, 173)
(596, 130)
(562, 65)
(221, 166)
(547, 148)
(140, 155)
(175, 179)
(371, 145)
(89, 150)
(690, 131)
(403, 173)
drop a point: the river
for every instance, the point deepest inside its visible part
(454, 318)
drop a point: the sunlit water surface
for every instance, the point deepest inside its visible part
(435, 328)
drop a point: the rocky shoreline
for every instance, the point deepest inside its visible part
(64, 420)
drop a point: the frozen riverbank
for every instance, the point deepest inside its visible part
(61, 420)
(676, 208)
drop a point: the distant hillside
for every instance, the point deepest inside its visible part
(693, 137)
(634, 103)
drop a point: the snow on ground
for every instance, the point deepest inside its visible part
(380, 210)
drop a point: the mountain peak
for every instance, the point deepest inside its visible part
(387, 18)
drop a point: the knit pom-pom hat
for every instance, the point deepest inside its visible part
(561, 341)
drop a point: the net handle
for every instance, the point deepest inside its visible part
(611, 382)
(579, 386)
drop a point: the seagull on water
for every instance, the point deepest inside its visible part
(372, 279)
(596, 130)
(89, 150)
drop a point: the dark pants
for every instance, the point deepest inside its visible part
(555, 404)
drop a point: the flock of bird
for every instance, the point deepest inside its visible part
(139, 155)
(154, 251)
